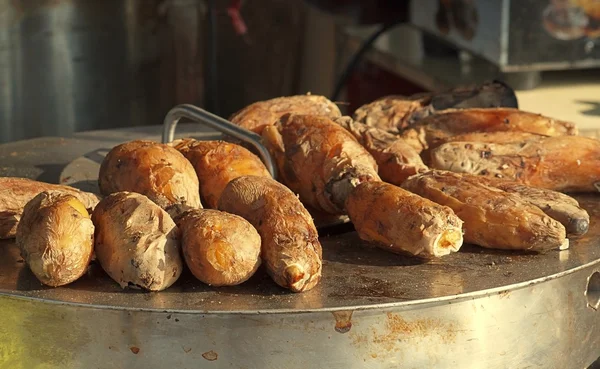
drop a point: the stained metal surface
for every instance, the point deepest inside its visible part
(475, 308)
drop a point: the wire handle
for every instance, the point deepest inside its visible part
(202, 116)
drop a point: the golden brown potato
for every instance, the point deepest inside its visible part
(431, 131)
(395, 159)
(319, 160)
(155, 170)
(15, 193)
(402, 222)
(257, 116)
(56, 238)
(136, 242)
(556, 205)
(221, 249)
(500, 137)
(217, 163)
(492, 218)
(291, 250)
(563, 163)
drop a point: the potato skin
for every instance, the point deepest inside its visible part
(562, 163)
(257, 116)
(291, 251)
(492, 218)
(217, 163)
(319, 160)
(15, 193)
(433, 130)
(136, 242)
(155, 170)
(396, 159)
(219, 248)
(56, 238)
(393, 113)
(399, 221)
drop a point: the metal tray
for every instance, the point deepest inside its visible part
(474, 309)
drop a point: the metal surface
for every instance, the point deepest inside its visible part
(74, 65)
(473, 309)
(215, 122)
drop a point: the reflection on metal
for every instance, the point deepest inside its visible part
(74, 65)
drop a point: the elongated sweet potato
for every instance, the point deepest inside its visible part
(400, 221)
(431, 131)
(291, 250)
(152, 169)
(319, 160)
(15, 193)
(500, 137)
(217, 163)
(558, 206)
(136, 242)
(260, 114)
(219, 248)
(563, 163)
(492, 218)
(56, 238)
(395, 159)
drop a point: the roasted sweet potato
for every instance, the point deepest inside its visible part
(152, 169)
(217, 163)
(319, 160)
(563, 163)
(431, 131)
(500, 137)
(219, 248)
(492, 218)
(396, 160)
(56, 238)
(260, 114)
(400, 221)
(558, 206)
(136, 242)
(291, 250)
(15, 193)
(395, 113)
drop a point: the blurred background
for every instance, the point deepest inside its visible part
(75, 65)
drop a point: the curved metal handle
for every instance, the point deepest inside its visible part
(214, 121)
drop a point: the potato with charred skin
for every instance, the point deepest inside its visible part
(219, 248)
(56, 238)
(562, 163)
(257, 116)
(217, 163)
(15, 193)
(430, 132)
(319, 160)
(155, 170)
(492, 218)
(136, 242)
(405, 222)
(291, 251)
(396, 160)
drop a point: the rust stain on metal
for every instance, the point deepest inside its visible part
(343, 321)
(396, 327)
(504, 294)
(135, 350)
(186, 349)
(210, 355)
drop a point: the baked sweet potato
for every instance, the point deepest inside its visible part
(152, 169)
(319, 160)
(219, 248)
(500, 137)
(217, 163)
(563, 163)
(260, 114)
(431, 131)
(492, 218)
(56, 238)
(291, 251)
(15, 193)
(136, 242)
(402, 222)
(396, 160)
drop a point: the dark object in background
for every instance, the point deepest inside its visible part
(365, 11)
(494, 94)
